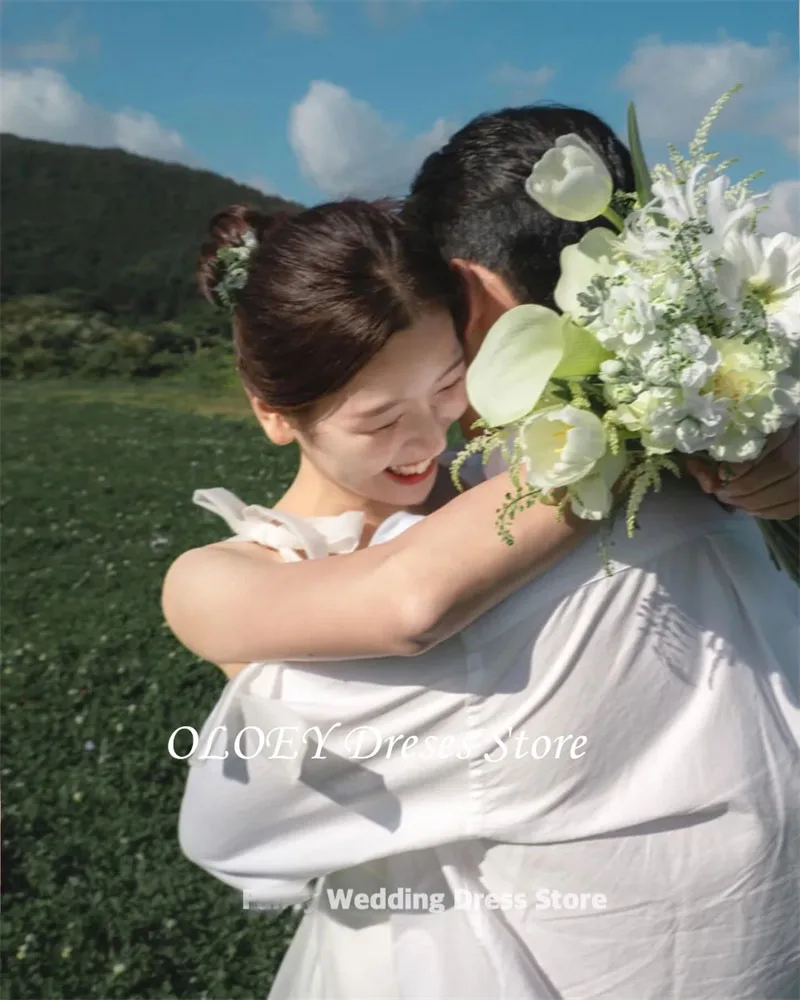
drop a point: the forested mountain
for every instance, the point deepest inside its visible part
(99, 241)
(121, 228)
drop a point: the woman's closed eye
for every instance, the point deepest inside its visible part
(384, 427)
(454, 384)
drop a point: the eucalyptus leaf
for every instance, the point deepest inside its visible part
(641, 171)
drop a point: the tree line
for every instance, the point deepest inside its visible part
(98, 253)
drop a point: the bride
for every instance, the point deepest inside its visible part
(347, 339)
(399, 777)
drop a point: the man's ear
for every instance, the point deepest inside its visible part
(487, 297)
(275, 425)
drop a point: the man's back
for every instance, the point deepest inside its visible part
(684, 811)
(625, 737)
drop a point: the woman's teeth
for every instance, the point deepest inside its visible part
(410, 470)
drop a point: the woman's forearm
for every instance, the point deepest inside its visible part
(398, 598)
(453, 566)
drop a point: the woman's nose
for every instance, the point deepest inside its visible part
(431, 433)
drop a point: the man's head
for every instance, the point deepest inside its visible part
(470, 196)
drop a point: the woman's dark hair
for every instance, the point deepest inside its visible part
(325, 290)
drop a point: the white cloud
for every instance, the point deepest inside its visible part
(783, 119)
(40, 104)
(783, 214)
(298, 16)
(346, 148)
(674, 85)
(524, 84)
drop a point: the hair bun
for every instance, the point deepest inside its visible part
(234, 226)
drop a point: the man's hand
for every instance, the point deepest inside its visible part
(769, 487)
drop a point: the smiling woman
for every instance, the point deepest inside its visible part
(345, 323)
(345, 333)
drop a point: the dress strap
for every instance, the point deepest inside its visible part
(316, 537)
(253, 695)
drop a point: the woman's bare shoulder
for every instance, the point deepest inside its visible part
(199, 575)
(246, 549)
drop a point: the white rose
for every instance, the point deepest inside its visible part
(742, 381)
(638, 415)
(571, 181)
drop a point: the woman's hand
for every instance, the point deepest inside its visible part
(768, 487)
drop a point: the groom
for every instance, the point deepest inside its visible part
(470, 195)
(675, 807)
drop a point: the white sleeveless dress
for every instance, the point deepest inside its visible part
(374, 954)
(329, 958)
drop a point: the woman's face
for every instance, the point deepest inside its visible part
(379, 436)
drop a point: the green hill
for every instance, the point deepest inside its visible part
(120, 228)
(98, 249)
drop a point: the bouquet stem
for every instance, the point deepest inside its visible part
(783, 543)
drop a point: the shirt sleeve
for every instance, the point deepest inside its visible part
(357, 763)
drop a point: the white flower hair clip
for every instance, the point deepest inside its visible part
(234, 269)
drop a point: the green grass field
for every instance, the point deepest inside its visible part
(96, 501)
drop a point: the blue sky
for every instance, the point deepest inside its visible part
(330, 97)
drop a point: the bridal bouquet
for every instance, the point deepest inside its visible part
(678, 334)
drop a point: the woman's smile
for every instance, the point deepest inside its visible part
(410, 475)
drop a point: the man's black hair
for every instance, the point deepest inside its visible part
(471, 197)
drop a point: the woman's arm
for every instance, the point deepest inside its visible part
(231, 605)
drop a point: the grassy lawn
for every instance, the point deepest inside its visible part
(174, 394)
(96, 502)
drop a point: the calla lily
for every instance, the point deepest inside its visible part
(524, 349)
(571, 181)
(515, 362)
(580, 263)
(583, 352)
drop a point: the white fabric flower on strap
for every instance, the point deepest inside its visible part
(317, 537)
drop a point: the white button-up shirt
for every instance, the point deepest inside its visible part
(594, 789)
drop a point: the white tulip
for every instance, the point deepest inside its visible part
(580, 264)
(561, 445)
(571, 181)
(592, 497)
